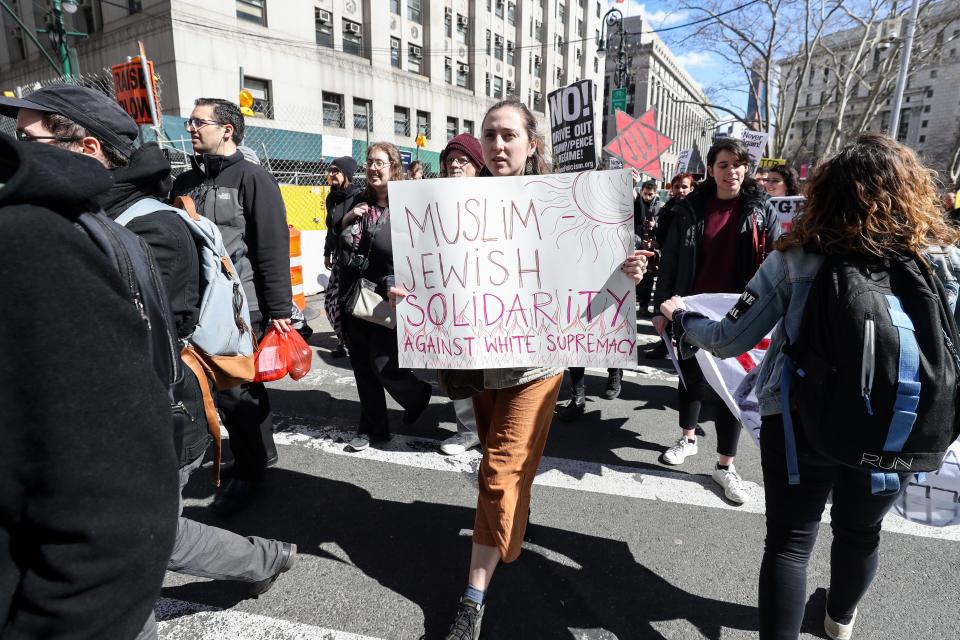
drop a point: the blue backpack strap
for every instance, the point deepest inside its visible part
(908, 395)
(789, 437)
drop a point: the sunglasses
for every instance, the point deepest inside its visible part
(23, 136)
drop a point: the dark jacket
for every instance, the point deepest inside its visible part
(380, 252)
(335, 198)
(664, 220)
(643, 212)
(148, 176)
(758, 228)
(245, 202)
(88, 476)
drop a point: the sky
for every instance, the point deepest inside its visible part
(659, 13)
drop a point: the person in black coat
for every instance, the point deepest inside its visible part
(88, 475)
(343, 192)
(366, 251)
(716, 242)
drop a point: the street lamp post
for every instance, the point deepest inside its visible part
(58, 35)
(614, 17)
(904, 69)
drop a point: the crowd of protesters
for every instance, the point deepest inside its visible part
(85, 556)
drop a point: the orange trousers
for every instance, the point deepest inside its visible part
(512, 425)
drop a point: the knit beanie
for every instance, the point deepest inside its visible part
(467, 144)
(347, 166)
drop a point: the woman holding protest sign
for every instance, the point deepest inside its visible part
(366, 258)
(516, 406)
(871, 215)
(718, 238)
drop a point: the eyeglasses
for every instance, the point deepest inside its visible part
(458, 162)
(23, 136)
(198, 123)
(377, 164)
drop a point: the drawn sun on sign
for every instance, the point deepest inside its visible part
(590, 216)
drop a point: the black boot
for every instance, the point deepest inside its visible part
(613, 384)
(575, 408)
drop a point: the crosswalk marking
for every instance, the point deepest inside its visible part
(577, 475)
(179, 620)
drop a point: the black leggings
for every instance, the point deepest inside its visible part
(698, 393)
(793, 521)
(578, 377)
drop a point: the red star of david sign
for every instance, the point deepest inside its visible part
(639, 144)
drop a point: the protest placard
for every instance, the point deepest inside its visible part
(787, 208)
(571, 128)
(638, 143)
(683, 160)
(755, 142)
(130, 89)
(515, 272)
(766, 163)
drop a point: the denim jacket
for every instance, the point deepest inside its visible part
(774, 299)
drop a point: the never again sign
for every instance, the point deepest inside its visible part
(514, 272)
(571, 128)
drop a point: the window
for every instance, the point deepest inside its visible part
(489, 44)
(15, 44)
(401, 121)
(448, 21)
(498, 47)
(332, 110)
(933, 73)
(413, 10)
(487, 84)
(362, 114)
(395, 7)
(395, 53)
(537, 101)
(448, 70)
(134, 6)
(499, 10)
(463, 75)
(467, 127)
(511, 13)
(352, 38)
(926, 109)
(922, 139)
(562, 12)
(324, 27)
(260, 89)
(596, 65)
(580, 30)
(904, 127)
(509, 52)
(929, 93)
(462, 24)
(414, 58)
(923, 124)
(252, 11)
(451, 127)
(423, 122)
(497, 87)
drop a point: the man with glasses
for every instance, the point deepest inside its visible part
(244, 200)
(342, 189)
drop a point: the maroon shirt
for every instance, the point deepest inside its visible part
(716, 268)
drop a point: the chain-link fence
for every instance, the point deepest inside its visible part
(297, 147)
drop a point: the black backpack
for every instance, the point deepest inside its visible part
(874, 373)
(139, 272)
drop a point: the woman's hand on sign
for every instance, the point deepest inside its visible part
(396, 294)
(635, 266)
(356, 213)
(671, 305)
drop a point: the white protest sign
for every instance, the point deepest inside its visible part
(732, 378)
(335, 146)
(755, 142)
(787, 208)
(514, 272)
(683, 160)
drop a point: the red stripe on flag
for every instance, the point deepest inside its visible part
(746, 361)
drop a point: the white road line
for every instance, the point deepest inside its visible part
(188, 621)
(577, 475)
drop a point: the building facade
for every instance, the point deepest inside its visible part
(346, 70)
(656, 80)
(930, 113)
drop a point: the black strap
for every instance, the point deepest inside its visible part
(373, 234)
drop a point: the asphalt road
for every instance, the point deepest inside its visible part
(620, 546)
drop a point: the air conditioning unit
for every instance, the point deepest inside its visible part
(415, 50)
(498, 39)
(510, 86)
(394, 44)
(536, 84)
(559, 73)
(448, 63)
(463, 21)
(536, 61)
(463, 68)
(353, 27)
(324, 16)
(509, 46)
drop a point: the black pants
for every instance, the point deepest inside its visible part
(793, 521)
(247, 418)
(373, 356)
(578, 378)
(694, 396)
(645, 291)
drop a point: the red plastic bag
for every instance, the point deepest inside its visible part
(271, 359)
(299, 355)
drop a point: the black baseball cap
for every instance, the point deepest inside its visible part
(93, 110)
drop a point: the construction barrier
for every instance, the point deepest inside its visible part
(296, 268)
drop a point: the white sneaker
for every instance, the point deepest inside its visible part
(838, 631)
(359, 443)
(679, 452)
(732, 484)
(459, 443)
